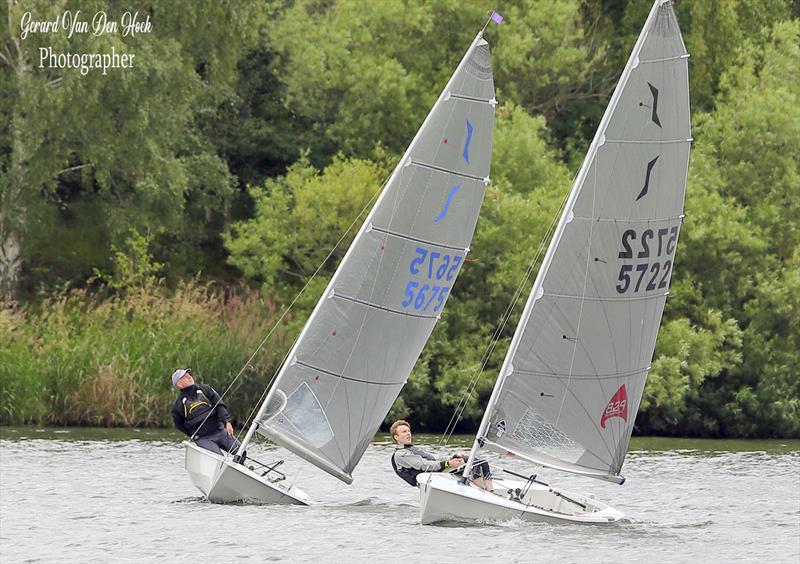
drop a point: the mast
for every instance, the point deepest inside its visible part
(566, 216)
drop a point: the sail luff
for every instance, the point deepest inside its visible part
(297, 446)
(566, 217)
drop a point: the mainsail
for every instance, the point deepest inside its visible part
(361, 342)
(572, 380)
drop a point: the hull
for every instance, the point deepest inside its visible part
(223, 481)
(443, 498)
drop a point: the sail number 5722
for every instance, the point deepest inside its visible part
(657, 247)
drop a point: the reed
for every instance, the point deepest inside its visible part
(76, 359)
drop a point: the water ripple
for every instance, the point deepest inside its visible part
(65, 498)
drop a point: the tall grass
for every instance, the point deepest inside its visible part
(75, 359)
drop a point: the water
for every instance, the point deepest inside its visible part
(100, 495)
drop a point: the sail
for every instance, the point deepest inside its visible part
(574, 375)
(360, 344)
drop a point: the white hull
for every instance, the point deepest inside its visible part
(223, 481)
(443, 498)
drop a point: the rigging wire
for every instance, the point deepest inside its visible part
(472, 384)
(280, 320)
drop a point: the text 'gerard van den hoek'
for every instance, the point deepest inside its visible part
(73, 23)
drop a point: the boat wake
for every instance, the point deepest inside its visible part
(366, 502)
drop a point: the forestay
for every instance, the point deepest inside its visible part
(364, 336)
(574, 375)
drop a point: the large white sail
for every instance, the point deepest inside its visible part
(570, 386)
(362, 340)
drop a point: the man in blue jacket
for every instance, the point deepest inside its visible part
(199, 412)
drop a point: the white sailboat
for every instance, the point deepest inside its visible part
(570, 386)
(360, 343)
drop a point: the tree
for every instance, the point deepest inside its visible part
(754, 136)
(123, 146)
(727, 355)
(551, 61)
(714, 33)
(299, 219)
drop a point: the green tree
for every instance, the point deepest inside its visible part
(727, 355)
(551, 61)
(755, 132)
(754, 136)
(298, 219)
(124, 147)
(772, 352)
(687, 357)
(365, 73)
(714, 34)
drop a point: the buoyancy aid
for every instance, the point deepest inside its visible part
(407, 474)
(410, 474)
(196, 407)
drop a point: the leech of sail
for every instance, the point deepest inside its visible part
(343, 377)
(416, 239)
(446, 170)
(382, 308)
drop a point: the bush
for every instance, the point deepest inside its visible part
(78, 359)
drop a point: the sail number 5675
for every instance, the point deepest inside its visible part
(438, 264)
(435, 267)
(422, 297)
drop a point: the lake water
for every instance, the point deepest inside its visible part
(100, 495)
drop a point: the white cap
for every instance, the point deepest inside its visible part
(178, 374)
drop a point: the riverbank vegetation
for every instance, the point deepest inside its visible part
(77, 359)
(167, 215)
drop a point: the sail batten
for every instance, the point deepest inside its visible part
(361, 341)
(342, 376)
(664, 59)
(491, 102)
(573, 378)
(382, 308)
(588, 376)
(605, 298)
(631, 219)
(430, 166)
(646, 142)
(416, 239)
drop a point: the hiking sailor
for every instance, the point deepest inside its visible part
(410, 461)
(199, 412)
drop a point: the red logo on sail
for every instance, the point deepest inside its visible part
(617, 407)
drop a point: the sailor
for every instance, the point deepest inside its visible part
(199, 412)
(410, 461)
